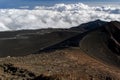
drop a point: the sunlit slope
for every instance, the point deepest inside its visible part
(101, 42)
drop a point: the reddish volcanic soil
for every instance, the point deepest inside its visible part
(67, 64)
(79, 53)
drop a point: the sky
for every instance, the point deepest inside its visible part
(33, 3)
(101, 0)
(37, 14)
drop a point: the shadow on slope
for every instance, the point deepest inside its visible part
(19, 43)
(73, 41)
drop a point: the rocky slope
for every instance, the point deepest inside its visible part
(66, 64)
(103, 43)
(79, 53)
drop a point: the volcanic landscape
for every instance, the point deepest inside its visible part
(90, 51)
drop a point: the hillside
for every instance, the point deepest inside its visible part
(66, 64)
(103, 43)
(78, 53)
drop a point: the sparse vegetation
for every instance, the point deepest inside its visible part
(66, 64)
(92, 60)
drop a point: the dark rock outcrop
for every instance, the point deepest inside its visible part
(113, 30)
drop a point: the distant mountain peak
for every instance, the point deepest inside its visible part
(90, 25)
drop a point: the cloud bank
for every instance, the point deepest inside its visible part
(57, 16)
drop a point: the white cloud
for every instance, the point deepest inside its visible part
(57, 16)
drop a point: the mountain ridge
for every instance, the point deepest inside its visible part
(62, 54)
